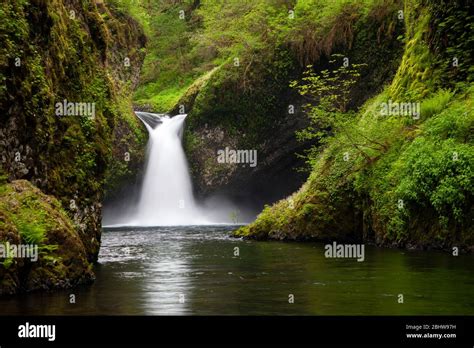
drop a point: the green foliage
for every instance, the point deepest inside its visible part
(160, 95)
(415, 77)
(32, 221)
(411, 181)
(31, 233)
(170, 65)
(139, 10)
(329, 90)
(435, 104)
(450, 38)
(328, 93)
(214, 33)
(438, 173)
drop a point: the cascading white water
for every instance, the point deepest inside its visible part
(166, 197)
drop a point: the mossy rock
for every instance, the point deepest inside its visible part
(79, 58)
(28, 216)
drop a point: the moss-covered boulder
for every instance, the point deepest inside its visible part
(29, 217)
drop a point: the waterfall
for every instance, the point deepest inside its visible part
(166, 197)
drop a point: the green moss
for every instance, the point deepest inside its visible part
(412, 80)
(77, 59)
(406, 182)
(30, 217)
(164, 100)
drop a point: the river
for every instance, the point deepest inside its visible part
(194, 271)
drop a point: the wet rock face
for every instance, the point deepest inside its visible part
(14, 152)
(92, 57)
(253, 114)
(209, 174)
(271, 176)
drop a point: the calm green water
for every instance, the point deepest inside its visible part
(193, 271)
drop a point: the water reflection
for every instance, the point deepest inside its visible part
(167, 286)
(144, 271)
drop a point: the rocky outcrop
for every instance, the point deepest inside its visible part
(79, 53)
(391, 179)
(252, 107)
